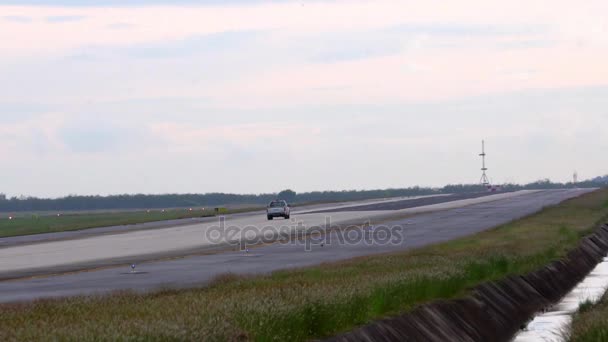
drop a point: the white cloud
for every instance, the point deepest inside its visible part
(273, 135)
(325, 95)
(34, 135)
(160, 23)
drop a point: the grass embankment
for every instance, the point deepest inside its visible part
(591, 322)
(317, 301)
(28, 224)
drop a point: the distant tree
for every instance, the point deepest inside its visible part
(601, 179)
(287, 195)
(142, 201)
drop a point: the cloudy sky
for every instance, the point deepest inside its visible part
(249, 96)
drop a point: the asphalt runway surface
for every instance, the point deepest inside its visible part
(408, 203)
(91, 232)
(55, 256)
(416, 231)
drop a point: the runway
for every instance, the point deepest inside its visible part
(128, 246)
(429, 224)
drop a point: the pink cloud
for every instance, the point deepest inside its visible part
(184, 137)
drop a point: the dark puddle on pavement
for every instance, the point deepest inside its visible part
(251, 255)
(554, 325)
(134, 273)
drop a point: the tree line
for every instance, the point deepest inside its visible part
(143, 201)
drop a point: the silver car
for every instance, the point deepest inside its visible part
(278, 209)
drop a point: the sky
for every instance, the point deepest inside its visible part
(111, 97)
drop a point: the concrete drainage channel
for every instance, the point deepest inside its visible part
(497, 311)
(554, 325)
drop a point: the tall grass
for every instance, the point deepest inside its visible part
(591, 322)
(312, 302)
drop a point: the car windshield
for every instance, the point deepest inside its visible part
(277, 204)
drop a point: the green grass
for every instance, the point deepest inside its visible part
(585, 306)
(591, 322)
(312, 302)
(32, 223)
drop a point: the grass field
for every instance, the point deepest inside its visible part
(32, 223)
(312, 302)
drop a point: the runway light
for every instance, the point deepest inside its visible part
(10, 217)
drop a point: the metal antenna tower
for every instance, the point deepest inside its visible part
(484, 178)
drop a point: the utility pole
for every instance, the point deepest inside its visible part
(484, 178)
